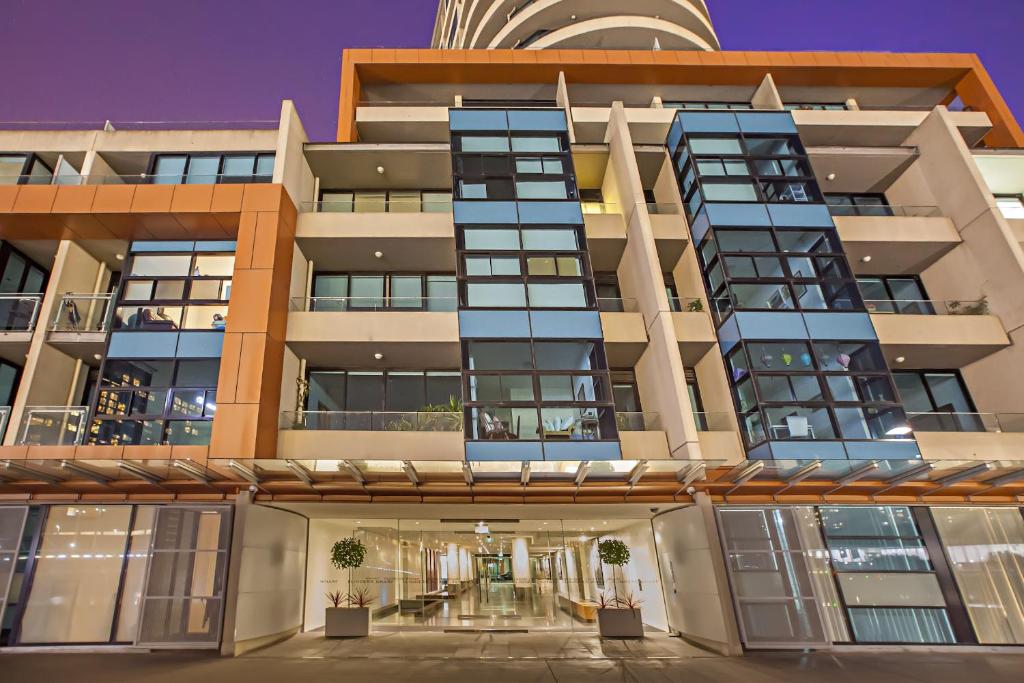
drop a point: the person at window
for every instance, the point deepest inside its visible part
(219, 322)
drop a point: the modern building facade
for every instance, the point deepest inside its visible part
(753, 314)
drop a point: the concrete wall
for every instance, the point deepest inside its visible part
(640, 576)
(694, 579)
(271, 578)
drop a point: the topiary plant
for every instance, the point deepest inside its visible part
(615, 553)
(348, 553)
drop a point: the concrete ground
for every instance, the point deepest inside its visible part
(507, 658)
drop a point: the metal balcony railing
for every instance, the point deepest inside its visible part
(19, 312)
(83, 313)
(371, 421)
(53, 426)
(379, 206)
(927, 307)
(685, 304)
(638, 422)
(609, 305)
(409, 304)
(941, 421)
(883, 210)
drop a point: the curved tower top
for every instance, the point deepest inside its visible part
(574, 24)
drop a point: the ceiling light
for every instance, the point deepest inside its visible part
(378, 254)
(900, 359)
(119, 257)
(899, 430)
(380, 170)
(379, 356)
(830, 176)
(97, 356)
(865, 259)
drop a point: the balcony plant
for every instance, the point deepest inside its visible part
(442, 417)
(619, 617)
(353, 620)
(695, 306)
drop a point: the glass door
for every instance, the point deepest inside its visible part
(12, 524)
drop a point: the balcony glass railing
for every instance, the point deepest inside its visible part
(600, 207)
(83, 313)
(381, 206)
(5, 416)
(176, 179)
(335, 304)
(19, 312)
(714, 421)
(638, 422)
(606, 305)
(927, 307)
(685, 304)
(966, 422)
(371, 421)
(884, 210)
(53, 426)
(663, 209)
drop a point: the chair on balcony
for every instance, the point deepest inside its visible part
(494, 429)
(796, 427)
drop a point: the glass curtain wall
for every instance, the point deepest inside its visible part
(525, 278)
(985, 547)
(461, 574)
(802, 354)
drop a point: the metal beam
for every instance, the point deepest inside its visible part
(950, 479)
(86, 472)
(467, 473)
(244, 472)
(690, 474)
(1003, 479)
(140, 473)
(638, 471)
(524, 473)
(749, 472)
(581, 472)
(191, 471)
(355, 471)
(411, 472)
(299, 471)
(35, 474)
(854, 475)
(906, 476)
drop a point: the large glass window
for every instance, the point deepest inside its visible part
(206, 169)
(78, 571)
(937, 401)
(885, 575)
(985, 547)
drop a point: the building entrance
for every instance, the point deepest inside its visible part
(473, 574)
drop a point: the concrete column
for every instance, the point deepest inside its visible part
(454, 573)
(767, 95)
(521, 562)
(660, 374)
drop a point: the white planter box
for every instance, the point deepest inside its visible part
(347, 622)
(617, 622)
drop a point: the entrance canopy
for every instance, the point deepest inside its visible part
(432, 481)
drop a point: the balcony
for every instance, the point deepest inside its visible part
(18, 316)
(884, 127)
(625, 335)
(718, 436)
(896, 240)
(53, 426)
(642, 436)
(670, 232)
(917, 334)
(366, 332)
(377, 435)
(81, 324)
(606, 234)
(980, 436)
(352, 241)
(694, 330)
(384, 121)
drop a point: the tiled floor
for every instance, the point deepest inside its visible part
(424, 657)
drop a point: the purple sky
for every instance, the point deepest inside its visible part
(220, 60)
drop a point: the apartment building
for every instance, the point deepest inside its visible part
(753, 314)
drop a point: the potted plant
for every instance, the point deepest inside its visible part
(619, 617)
(353, 620)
